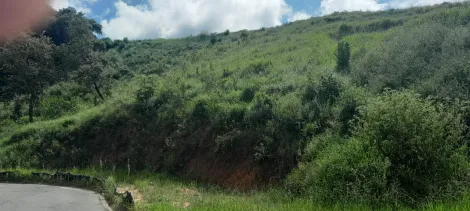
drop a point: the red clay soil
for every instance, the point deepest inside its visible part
(242, 175)
(236, 173)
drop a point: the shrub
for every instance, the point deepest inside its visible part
(310, 93)
(325, 93)
(226, 74)
(450, 78)
(54, 106)
(145, 108)
(381, 25)
(108, 43)
(343, 54)
(349, 173)
(403, 61)
(331, 19)
(203, 35)
(244, 35)
(318, 144)
(317, 104)
(422, 143)
(328, 90)
(247, 95)
(345, 30)
(213, 39)
(200, 111)
(236, 117)
(262, 110)
(259, 67)
(348, 113)
(144, 94)
(404, 150)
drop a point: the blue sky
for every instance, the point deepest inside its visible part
(148, 19)
(309, 6)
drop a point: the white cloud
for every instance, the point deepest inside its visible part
(177, 18)
(330, 6)
(79, 5)
(299, 16)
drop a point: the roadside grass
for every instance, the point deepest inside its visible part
(159, 192)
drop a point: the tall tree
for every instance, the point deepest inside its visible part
(26, 67)
(70, 26)
(91, 76)
(76, 56)
(75, 35)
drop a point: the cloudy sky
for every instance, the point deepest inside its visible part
(145, 19)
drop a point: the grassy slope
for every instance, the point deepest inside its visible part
(300, 52)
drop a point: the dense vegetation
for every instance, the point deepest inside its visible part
(362, 107)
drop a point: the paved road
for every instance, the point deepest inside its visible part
(22, 197)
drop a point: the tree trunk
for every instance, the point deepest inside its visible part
(98, 90)
(16, 109)
(31, 107)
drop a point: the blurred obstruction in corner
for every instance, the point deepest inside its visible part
(23, 16)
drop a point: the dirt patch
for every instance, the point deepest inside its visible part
(242, 175)
(136, 194)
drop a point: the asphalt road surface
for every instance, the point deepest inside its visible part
(23, 197)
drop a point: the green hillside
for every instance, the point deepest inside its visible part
(369, 108)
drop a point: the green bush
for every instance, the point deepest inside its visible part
(423, 143)
(247, 95)
(260, 67)
(345, 30)
(380, 25)
(261, 111)
(343, 57)
(144, 94)
(403, 61)
(404, 150)
(325, 93)
(54, 106)
(318, 101)
(201, 111)
(348, 114)
(213, 39)
(351, 172)
(319, 143)
(144, 107)
(244, 35)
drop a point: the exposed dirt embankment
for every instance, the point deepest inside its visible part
(234, 172)
(237, 174)
(199, 149)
